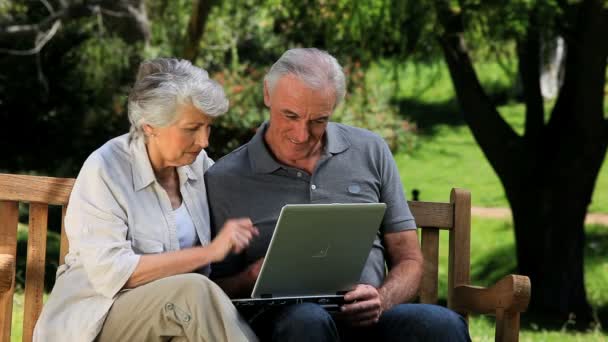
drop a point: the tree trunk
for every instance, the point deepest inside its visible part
(196, 27)
(548, 173)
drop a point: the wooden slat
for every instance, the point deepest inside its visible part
(430, 251)
(34, 274)
(35, 189)
(433, 214)
(9, 218)
(460, 243)
(64, 247)
(7, 272)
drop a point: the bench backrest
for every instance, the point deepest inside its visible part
(40, 192)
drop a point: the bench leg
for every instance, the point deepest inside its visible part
(507, 326)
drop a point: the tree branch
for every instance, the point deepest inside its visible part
(497, 139)
(196, 27)
(39, 44)
(580, 103)
(528, 52)
(129, 11)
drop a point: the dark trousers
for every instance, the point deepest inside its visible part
(405, 322)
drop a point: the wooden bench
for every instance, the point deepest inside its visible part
(505, 300)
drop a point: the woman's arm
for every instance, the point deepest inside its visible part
(234, 237)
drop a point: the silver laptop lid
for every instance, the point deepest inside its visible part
(318, 249)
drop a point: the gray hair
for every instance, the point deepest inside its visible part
(162, 84)
(315, 67)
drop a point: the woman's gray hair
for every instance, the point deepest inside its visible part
(315, 67)
(163, 84)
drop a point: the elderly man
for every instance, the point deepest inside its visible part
(298, 156)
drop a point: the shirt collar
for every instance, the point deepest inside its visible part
(143, 174)
(262, 160)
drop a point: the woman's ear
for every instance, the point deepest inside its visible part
(148, 130)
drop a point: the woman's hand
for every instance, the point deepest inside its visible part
(234, 237)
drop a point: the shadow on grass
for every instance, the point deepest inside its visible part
(493, 266)
(532, 321)
(428, 116)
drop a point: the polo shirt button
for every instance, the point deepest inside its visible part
(299, 174)
(313, 186)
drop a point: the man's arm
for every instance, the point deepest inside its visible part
(401, 284)
(241, 284)
(403, 279)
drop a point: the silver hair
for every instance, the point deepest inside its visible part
(315, 67)
(163, 84)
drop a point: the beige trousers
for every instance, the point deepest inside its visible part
(186, 307)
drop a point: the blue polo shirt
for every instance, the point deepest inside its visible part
(356, 167)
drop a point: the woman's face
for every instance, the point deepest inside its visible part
(180, 143)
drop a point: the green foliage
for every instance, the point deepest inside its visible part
(369, 105)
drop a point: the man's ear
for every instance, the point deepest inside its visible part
(266, 94)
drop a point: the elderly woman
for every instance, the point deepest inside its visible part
(138, 225)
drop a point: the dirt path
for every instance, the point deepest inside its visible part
(592, 218)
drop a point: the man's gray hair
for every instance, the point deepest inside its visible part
(163, 84)
(316, 68)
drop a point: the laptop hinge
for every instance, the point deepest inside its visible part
(266, 296)
(341, 293)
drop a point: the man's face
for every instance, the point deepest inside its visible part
(298, 118)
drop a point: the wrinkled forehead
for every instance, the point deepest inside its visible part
(294, 90)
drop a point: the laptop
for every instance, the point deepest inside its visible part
(316, 254)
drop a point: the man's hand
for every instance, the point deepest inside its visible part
(252, 271)
(234, 237)
(365, 306)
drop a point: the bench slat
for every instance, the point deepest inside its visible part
(64, 247)
(460, 244)
(9, 218)
(24, 188)
(34, 274)
(433, 214)
(430, 251)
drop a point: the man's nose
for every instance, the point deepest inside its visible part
(301, 132)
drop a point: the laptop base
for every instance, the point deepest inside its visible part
(331, 303)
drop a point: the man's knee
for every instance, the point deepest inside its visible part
(428, 322)
(304, 321)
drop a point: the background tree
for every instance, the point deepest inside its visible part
(549, 172)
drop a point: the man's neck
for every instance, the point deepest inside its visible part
(307, 164)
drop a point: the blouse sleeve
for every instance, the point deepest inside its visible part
(96, 226)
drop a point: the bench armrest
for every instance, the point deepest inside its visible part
(510, 294)
(7, 272)
(506, 299)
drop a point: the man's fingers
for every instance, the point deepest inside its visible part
(361, 292)
(361, 307)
